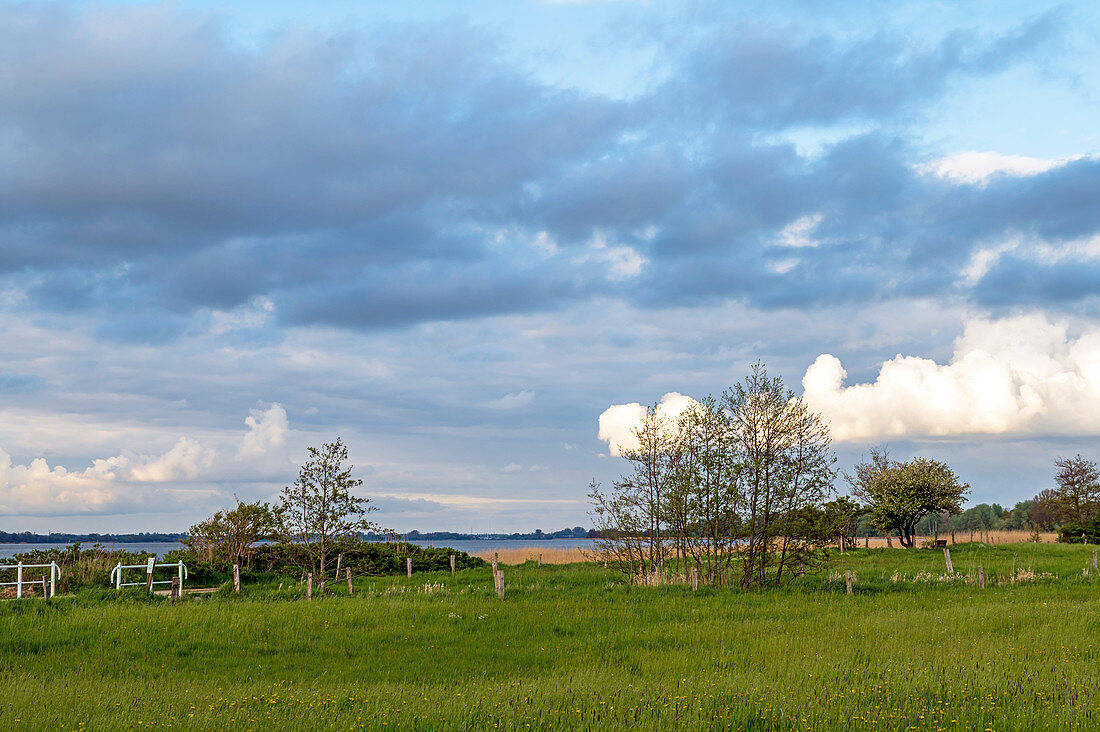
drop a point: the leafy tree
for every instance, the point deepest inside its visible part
(842, 518)
(1077, 497)
(229, 535)
(319, 509)
(902, 493)
(629, 519)
(701, 506)
(786, 466)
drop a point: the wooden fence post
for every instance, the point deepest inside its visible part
(495, 559)
(237, 579)
(175, 593)
(309, 586)
(947, 558)
(540, 560)
(149, 574)
(409, 566)
(452, 564)
(981, 577)
(499, 581)
(347, 570)
(1094, 560)
(694, 579)
(848, 580)
(339, 558)
(45, 589)
(867, 542)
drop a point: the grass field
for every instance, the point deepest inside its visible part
(572, 646)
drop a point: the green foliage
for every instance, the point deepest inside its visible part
(902, 493)
(228, 535)
(1081, 533)
(320, 508)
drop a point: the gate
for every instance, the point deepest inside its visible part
(55, 574)
(179, 567)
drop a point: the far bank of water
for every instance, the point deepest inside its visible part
(470, 546)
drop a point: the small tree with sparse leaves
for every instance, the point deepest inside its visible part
(320, 509)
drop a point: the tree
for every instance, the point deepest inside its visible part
(229, 535)
(786, 466)
(1077, 497)
(702, 505)
(319, 509)
(902, 493)
(629, 518)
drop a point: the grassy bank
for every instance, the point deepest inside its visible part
(573, 646)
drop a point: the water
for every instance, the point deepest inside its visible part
(160, 548)
(470, 546)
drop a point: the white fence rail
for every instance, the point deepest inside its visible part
(55, 575)
(149, 567)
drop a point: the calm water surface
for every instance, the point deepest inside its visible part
(160, 548)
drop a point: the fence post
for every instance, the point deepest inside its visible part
(45, 589)
(848, 580)
(175, 589)
(179, 573)
(339, 559)
(540, 560)
(694, 579)
(947, 558)
(452, 564)
(118, 577)
(409, 565)
(495, 558)
(237, 579)
(500, 584)
(149, 574)
(347, 570)
(309, 586)
(981, 577)
(19, 581)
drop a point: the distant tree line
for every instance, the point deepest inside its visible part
(26, 537)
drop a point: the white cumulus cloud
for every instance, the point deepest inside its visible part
(1016, 375)
(619, 421)
(266, 432)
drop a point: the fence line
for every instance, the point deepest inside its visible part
(55, 574)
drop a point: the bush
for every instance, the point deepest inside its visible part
(1078, 533)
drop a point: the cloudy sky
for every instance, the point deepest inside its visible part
(457, 236)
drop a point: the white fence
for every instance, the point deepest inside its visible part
(179, 567)
(55, 574)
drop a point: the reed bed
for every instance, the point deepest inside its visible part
(550, 555)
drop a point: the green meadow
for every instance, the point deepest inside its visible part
(574, 646)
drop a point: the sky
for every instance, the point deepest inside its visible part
(472, 240)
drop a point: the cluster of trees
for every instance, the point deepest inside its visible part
(317, 513)
(737, 487)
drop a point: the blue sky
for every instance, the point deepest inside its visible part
(457, 236)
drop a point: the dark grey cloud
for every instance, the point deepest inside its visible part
(152, 170)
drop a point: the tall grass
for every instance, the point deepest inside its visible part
(573, 646)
